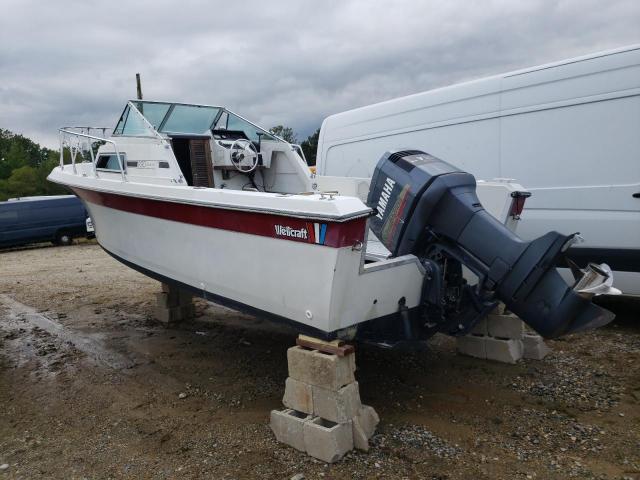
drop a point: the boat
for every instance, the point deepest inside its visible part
(199, 197)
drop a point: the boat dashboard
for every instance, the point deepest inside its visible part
(228, 136)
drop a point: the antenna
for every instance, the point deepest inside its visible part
(139, 86)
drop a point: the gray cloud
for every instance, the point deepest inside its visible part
(288, 62)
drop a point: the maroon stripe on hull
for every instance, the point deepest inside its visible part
(338, 234)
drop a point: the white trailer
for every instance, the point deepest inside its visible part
(569, 131)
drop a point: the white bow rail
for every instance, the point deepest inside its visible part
(76, 141)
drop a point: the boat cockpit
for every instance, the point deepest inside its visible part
(204, 146)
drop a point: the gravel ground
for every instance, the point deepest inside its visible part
(98, 390)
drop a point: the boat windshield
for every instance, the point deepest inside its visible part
(177, 118)
(189, 119)
(131, 124)
(231, 121)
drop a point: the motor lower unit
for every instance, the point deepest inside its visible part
(429, 208)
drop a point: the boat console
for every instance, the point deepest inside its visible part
(227, 137)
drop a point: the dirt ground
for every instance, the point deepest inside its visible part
(91, 388)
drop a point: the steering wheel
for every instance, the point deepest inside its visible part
(241, 149)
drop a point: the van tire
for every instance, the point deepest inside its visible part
(63, 239)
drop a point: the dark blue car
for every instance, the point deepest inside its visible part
(57, 219)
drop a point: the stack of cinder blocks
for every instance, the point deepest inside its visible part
(323, 416)
(173, 305)
(503, 338)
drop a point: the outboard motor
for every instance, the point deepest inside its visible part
(428, 208)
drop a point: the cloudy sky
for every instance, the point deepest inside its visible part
(289, 62)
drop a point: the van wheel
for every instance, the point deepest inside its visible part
(63, 239)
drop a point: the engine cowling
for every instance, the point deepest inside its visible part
(429, 208)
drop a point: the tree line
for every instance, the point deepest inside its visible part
(24, 165)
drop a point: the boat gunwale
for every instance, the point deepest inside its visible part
(260, 210)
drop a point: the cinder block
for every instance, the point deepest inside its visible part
(337, 406)
(288, 427)
(472, 345)
(500, 309)
(480, 328)
(174, 314)
(327, 441)
(369, 419)
(364, 426)
(360, 439)
(162, 299)
(321, 369)
(534, 347)
(505, 326)
(167, 300)
(168, 315)
(187, 311)
(174, 298)
(185, 298)
(298, 395)
(507, 351)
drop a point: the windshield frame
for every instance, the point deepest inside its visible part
(262, 133)
(159, 131)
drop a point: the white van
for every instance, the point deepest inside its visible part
(568, 131)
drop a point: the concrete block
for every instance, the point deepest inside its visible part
(369, 420)
(168, 315)
(327, 441)
(173, 297)
(360, 439)
(507, 351)
(500, 309)
(480, 328)
(170, 298)
(321, 369)
(187, 311)
(337, 405)
(185, 298)
(288, 427)
(174, 314)
(298, 395)
(167, 300)
(472, 345)
(534, 347)
(364, 426)
(505, 326)
(162, 299)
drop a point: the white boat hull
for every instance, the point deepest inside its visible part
(207, 260)
(323, 286)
